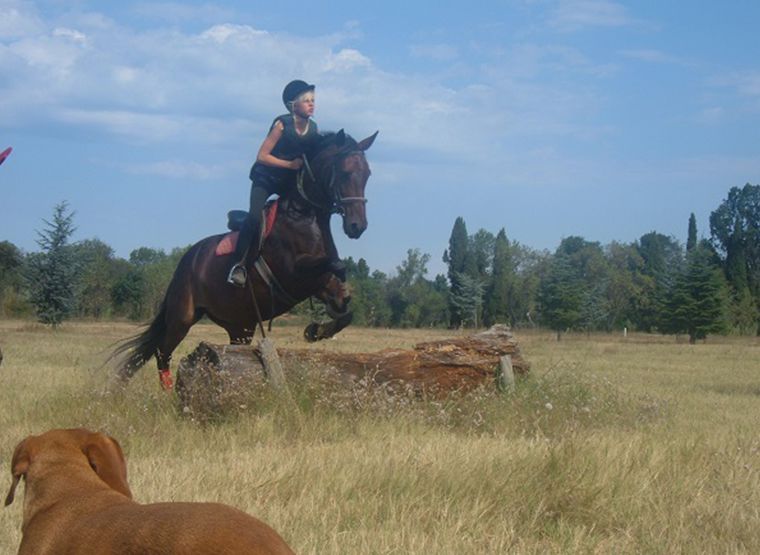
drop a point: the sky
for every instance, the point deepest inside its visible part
(548, 118)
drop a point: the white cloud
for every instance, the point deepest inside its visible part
(650, 55)
(72, 34)
(177, 12)
(437, 52)
(744, 84)
(222, 84)
(19, 19)
(345, 60)
(221, 33)
(179, 169)
(571, 15)
(711, 115)
(747, 82)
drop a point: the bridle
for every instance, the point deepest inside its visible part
(335, 200)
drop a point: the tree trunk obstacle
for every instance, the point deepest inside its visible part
(437, 368)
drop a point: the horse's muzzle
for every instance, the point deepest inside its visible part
(354, 230)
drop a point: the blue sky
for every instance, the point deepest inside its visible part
(549, 118)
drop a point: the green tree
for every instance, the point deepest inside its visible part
(662, 259)
(461, 262)
(467, 299)
(498, 300)
(698, 302)
(11, 278)
(625, 284)
(96, 277)
(531, 267)
(51, 273)
(368, 302)
(415, 301)
(735, 234)
(481, 245)
(691, 240)
(560, 295)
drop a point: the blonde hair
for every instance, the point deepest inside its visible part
(292, 104)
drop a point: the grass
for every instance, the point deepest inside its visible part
(613, 445)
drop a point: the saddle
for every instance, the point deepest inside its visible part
(235, 220)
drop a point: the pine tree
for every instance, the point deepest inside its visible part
(560, 296)
(51, 273)
(698, 301)
(468, 299)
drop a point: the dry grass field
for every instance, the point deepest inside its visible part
(612, 445)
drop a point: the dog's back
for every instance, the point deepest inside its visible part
(77, 501)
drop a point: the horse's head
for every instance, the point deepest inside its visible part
(351, 179)
(341, 168)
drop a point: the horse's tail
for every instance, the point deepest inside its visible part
(140, 348)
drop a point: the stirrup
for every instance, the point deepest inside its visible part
(238, 276)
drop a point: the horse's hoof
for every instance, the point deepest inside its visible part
(311, 332)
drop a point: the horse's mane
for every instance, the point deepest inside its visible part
(329, 138)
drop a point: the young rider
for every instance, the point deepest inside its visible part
(277, 162)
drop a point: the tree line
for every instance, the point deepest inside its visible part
(654, 284)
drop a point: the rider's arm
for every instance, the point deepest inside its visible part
(265, 152)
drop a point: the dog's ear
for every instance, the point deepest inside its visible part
(19, 468)
(107, 460)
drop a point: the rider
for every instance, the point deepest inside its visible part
(277, 162)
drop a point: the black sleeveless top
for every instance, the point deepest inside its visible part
(291, 145)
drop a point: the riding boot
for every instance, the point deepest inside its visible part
(247, 248)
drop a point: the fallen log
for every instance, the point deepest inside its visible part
(219, 373)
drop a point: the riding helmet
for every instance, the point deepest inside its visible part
(294, 89)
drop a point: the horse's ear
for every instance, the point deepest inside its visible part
(340, 138)
(366, 143)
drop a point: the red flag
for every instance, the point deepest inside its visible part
(5, 154)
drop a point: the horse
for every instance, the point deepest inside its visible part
(298, 260)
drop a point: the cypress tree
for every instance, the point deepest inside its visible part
(691, 240)
(458, 259)
(497, 299)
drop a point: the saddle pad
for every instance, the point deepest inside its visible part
(228, 243)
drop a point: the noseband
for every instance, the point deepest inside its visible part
(336, 201)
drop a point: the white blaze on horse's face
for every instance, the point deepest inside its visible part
(355, 172)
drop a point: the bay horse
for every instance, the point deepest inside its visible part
(298, 260)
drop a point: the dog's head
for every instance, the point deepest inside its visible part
(102, 452)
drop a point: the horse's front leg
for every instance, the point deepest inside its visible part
(335, 294)
(317, 332)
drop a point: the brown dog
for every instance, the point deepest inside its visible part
(77, 501)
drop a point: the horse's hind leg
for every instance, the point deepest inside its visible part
(178, 323)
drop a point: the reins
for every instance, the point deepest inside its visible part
(336, 201)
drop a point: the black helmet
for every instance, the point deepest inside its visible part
(293, 90)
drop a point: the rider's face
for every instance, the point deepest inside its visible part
(304, 106)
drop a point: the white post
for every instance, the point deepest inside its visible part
(505, 374)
